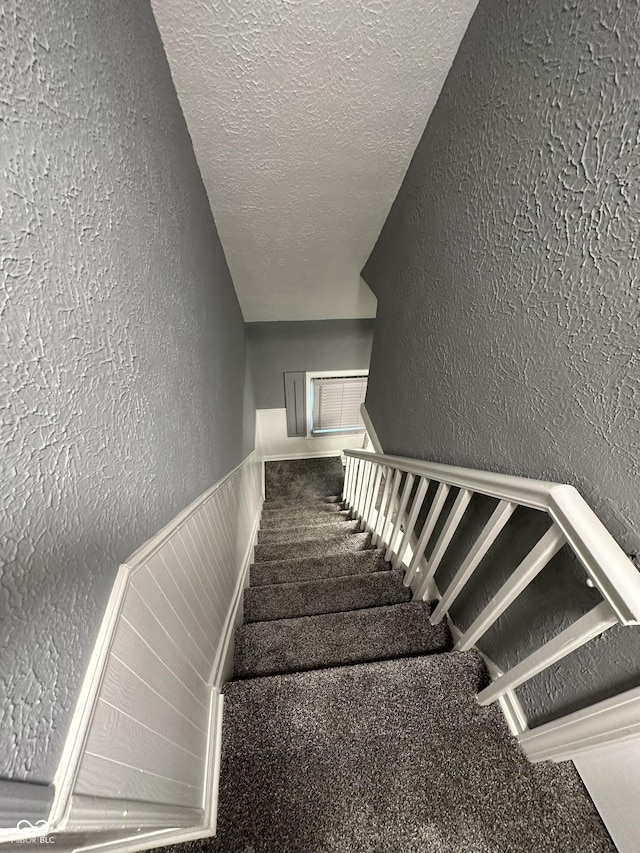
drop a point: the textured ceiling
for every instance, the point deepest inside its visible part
(304, 115)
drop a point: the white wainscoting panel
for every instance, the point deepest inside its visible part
(155, 717)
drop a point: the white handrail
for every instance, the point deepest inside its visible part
(611, 571)
(572, 524)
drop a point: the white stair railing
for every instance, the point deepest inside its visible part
(378, 491)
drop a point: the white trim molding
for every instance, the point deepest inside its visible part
(312, 454)
(66, 775)
(371, 431)
(610, 721)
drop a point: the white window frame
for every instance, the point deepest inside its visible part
(326, 374)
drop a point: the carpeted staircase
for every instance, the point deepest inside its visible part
(351, 726)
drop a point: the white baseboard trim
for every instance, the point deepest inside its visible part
(214, 764)
(611, 721)
(147, 841)
(225, 652)
(92, 813)
(314, 454)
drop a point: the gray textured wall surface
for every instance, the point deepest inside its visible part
(305, 345)
(123, 345)
(508, 330)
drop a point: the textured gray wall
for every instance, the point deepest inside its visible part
(312, 345)
(508, 321)
(123, 365)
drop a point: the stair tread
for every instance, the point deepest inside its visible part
(392, 755)
(324, 595)
(306, 532)
(322, 504)
(335, 544)
(289, 521)
(335, 639)
(315, 567)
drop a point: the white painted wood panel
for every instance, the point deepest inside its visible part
(144, 624)
(130, 742)
(150, 737)
(192, 604)
(129, 649)
(131, 783)
(124, 689)
(147, 594)
(189, 624)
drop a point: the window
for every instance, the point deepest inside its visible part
(333, 402)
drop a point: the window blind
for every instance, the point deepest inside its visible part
(336, 404)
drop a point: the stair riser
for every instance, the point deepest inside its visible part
(294, 507)
(292, 550)
(286, 601)
(336, 639)
(274, 521)
(309, 532)
(310, 568)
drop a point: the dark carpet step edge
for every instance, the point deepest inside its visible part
(480, 677)
(316, 567)
(324, 595)
(338, 639)
(298, 503)
(327, 546)
(304, 533)
(294, 519)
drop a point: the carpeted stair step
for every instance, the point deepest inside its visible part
(335, 639)
(304, 533)
(338, 544)
(325, 595)
(326, 504)
(389, 756)
(313, 568)
(282, 521)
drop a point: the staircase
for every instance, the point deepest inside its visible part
(350, 725)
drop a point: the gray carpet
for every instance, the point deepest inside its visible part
(303, 478)
(334, 639)
(388, 757)
(326, 566)
(283, 520)
(305, 532)
(377, 748)
(323, 595)
(336, 544)
(312, 504)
